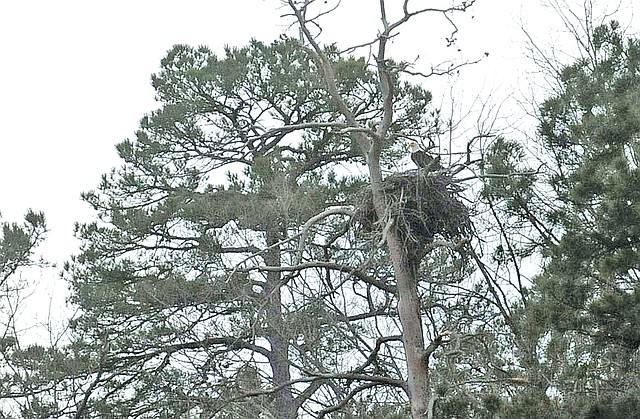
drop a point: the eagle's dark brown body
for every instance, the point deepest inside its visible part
(423, 160)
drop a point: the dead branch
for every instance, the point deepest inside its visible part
(435, 71)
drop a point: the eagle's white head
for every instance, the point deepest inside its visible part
(413, 146)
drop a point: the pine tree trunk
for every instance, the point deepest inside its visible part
(279, 360)
(408, 305)
(412, 333)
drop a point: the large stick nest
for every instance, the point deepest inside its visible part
(420, 206)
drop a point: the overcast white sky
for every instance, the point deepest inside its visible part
(74, 79)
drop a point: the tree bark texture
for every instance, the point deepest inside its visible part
(412, 333)
(408, 304)
(279, 359)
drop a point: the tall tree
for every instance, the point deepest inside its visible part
(219, 268)
(371, 142)
(584, 210)
(593, 127)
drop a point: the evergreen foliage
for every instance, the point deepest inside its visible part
(582, 312)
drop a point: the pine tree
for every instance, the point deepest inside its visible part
(582, 206)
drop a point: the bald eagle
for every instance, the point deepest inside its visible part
(422, 159)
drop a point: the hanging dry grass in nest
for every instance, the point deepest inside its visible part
(422, 207)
